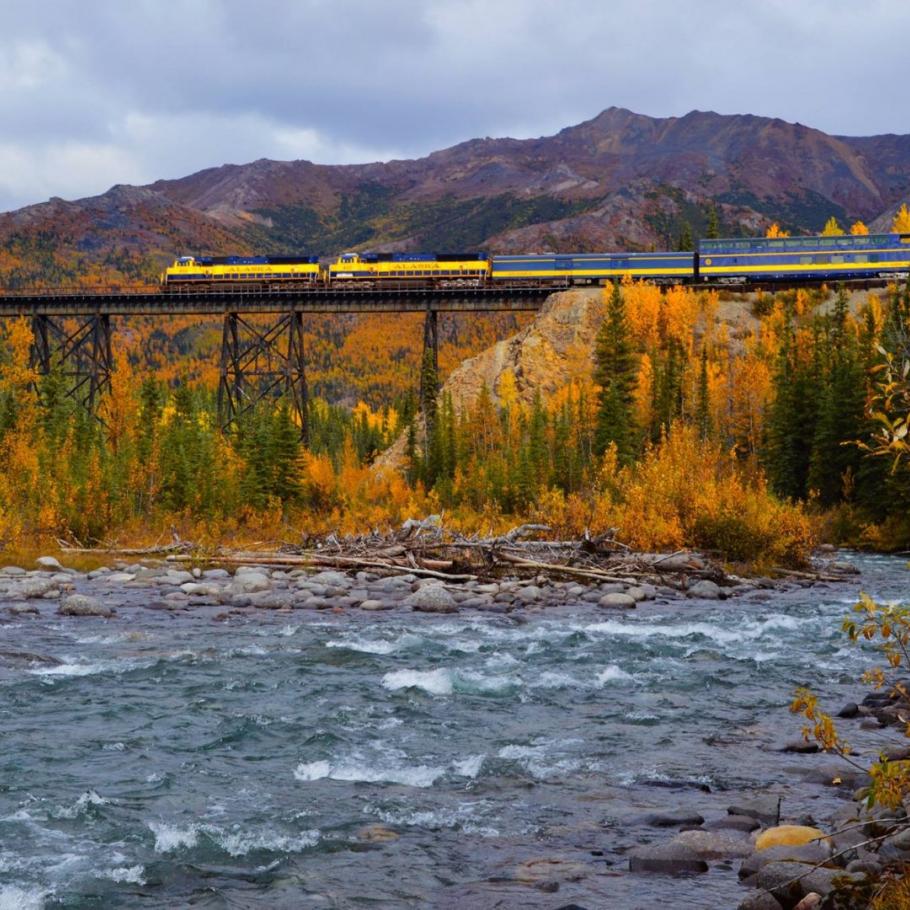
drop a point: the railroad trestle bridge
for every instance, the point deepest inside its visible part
(261, 357)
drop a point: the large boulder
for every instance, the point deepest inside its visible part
(715, 844)
(765, 809)
(616, 599)
(548, 869)
(49, 562)
(82, 605)
(813, 854)
(788, 836)
(431, 598)
(668, 859)
(250, 583)
(791, 882)
(31, 587)
(706, 590)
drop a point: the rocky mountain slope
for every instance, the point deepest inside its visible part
(620, 180)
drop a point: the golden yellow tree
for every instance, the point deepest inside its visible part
(858, 228)
(901, 223)
(832, 228)
(775, 230)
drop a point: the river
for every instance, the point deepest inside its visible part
(397, 760)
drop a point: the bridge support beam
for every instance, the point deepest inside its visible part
(429, 368)
(262, 362)
(80, 348)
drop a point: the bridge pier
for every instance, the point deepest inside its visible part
(260, 363)
(429, 367)
(81, 349)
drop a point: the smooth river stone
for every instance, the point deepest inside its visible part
(706, 590)
(672, 819)
(667, 859)
(716, 844)
(331, 579)
(431, 598)
(82, 605)
(250, 583)
(31, 587)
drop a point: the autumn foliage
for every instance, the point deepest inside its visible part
(685, 429)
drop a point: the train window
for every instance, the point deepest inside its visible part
(805, 260)
(821, 259)
(861, 257)
(837, 258)
(776, 244)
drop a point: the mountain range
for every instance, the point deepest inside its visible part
(619, 181)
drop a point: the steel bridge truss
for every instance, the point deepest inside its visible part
(79, 347)
(262, 352)
(262, 362)
(429, 367)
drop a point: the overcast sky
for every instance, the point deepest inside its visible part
(97, 92)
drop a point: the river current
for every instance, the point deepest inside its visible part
(298, 760)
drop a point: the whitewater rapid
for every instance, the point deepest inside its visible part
(288, 760)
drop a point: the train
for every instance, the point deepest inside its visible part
(734, 260)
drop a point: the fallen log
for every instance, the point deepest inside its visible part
(563, 570)
(338, 562)
(809, 576)
(182, 547)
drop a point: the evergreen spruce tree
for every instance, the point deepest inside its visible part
(790, 426)
(703, 404)
(712, 229)
(429, 385)
(284, 452)
(835, 457)
(538, 451)
(685, 243)
(667, 388)
(414, 469)
(615, 371)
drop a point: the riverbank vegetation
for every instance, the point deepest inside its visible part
(880, 823)
(684, 432)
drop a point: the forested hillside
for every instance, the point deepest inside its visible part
(677, 417)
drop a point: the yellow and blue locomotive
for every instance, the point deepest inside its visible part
(437, 270)
(202, 272)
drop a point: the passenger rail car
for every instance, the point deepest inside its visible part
(825, 258)
(594, 268)
(437, 270)
(241, 271)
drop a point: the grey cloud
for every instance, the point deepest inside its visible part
(99, 91)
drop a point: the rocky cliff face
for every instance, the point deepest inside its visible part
(553, 350)
(545, 356)
(620, 180)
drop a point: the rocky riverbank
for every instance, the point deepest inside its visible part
(190, 746)
(171, 585)
(799, 863)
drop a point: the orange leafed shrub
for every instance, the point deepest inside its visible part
(689, 492)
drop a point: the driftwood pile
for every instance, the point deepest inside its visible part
(427, 549)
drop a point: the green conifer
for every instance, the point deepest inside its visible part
(615, 371)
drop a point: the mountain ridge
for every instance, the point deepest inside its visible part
(618, 180)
